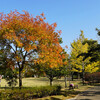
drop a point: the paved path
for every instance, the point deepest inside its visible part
(90, 94)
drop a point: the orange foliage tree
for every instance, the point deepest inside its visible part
(30, 40)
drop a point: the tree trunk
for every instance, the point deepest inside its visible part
(20, 79)
(78, 75)
(83, 77)
(83, 73)
(51, 81)
(72, 76)
(65, 81)
(69, 80)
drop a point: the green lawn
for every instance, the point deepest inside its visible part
(32, 82)
(42, 81)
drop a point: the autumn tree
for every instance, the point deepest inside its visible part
(93, 51)
(78, 64)
(29, 40)
(59, 71)
(52, 72)
(77, 48)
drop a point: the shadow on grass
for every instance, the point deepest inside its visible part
(69, 92)
(53, 98)
(38, 79)
(44, 79)
(85, 99)
(14, 88)
(95, 84)
(4, 88)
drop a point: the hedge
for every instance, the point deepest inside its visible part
(93, 77)
(29, 93)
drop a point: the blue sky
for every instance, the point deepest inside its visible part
(71, 16)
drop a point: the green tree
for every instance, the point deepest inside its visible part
(94, 49)
(94, 54)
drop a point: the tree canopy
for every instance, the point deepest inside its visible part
(29, 40)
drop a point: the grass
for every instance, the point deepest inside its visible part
(29, 82)
(43, 81)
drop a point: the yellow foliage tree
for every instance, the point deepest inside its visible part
(77, 63)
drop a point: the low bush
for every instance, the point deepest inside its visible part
(29, 93)
(93, 77)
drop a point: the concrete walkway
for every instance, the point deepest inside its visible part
(90, 94)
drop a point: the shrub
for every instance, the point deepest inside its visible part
(11, 77)
(29, 93)
(93, 77)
